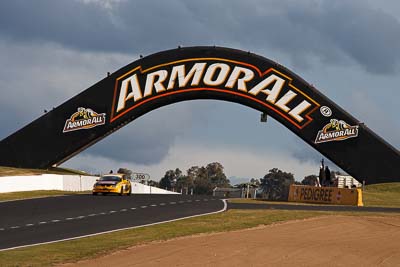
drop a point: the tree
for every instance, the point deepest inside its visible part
(127, 172)
(201, 183)
(202, 179)
(170, 179)
(310, 180)
(276, 183)
(216, 175)
(255, 182)
(153, 183)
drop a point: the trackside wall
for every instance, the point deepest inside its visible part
(46, 182)
(64, 183)
(138, 188)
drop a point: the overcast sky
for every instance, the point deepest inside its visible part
(349, 50)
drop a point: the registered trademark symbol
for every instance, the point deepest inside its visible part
(325, 111)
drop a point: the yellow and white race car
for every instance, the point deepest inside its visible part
(112, 183)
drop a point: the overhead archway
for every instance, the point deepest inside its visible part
(203, 73)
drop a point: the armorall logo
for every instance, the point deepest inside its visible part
(84, 118)
(336, 130)
(269, 88)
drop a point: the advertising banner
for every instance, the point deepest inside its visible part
(325, 195)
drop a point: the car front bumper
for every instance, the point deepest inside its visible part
(106, 190)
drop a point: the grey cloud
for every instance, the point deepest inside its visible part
(332, 32)
(40, 77)
(305, 153)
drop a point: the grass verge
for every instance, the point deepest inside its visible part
(9, 171)
(377, 195)
(36, 194)
(75, 250)
(382, 195)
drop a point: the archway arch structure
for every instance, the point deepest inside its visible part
(203, 73)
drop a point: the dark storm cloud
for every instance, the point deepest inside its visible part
(331, 31)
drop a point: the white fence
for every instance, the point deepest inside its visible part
(64, 183)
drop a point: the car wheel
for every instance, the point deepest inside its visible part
(122, 191)
(94, 193)
(130, 192)
(104, 193)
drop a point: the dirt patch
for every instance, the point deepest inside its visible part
(324, 241)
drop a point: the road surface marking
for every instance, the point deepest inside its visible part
(126, 228)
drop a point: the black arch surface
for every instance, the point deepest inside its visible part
(203, 73)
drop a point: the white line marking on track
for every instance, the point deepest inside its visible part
(127, 228)
(189, 201)
(42, 222)
(80, 217)
(123, 210)
(91, 215)
(143, 207)
(172, 203)
(1, 229)
(14, 227)
(133, 208)
(112, 211)
(197, 200)
(103, 213)
(153, 205)
(29, 224)
(162, 204)
(55, 221)
(69, 218)
(181, 202)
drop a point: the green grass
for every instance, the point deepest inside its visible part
(382, 195)
(36, 194)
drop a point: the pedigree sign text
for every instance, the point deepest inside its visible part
(267, 87)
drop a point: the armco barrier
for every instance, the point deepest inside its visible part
(325, 195)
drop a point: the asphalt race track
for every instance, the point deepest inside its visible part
(32, 221)
(42, 220)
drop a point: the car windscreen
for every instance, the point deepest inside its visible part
(110, 178)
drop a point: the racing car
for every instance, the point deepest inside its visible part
(113, 183)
